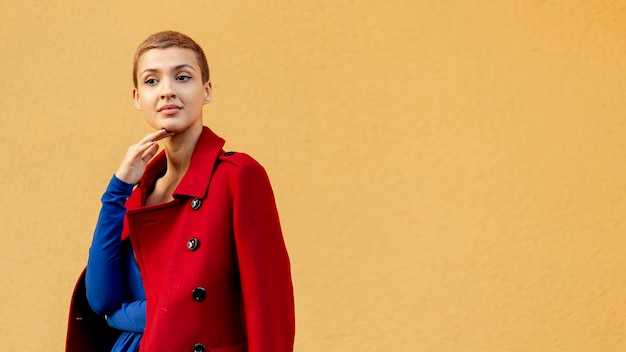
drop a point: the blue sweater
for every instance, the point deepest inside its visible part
(113, 281)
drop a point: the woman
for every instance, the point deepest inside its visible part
(188, 253)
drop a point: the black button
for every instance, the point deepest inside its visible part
(196, 203)
(193, 244)
(199, 348)
(229, 153)
(199, 294)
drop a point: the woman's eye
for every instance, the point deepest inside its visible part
(151, 81)
(183, 78)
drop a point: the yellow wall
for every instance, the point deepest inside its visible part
(450, 174)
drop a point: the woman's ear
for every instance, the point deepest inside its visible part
(208, 92)
(136, 99)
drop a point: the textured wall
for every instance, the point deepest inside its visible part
(450, 174)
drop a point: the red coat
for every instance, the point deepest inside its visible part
(213, 261)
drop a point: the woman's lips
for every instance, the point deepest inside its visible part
(169, 109)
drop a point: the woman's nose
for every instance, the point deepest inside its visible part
(167, 89)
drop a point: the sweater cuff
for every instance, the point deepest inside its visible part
(120, 185)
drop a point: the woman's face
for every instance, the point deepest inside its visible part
(170, 91)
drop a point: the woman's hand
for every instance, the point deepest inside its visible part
(138, 156)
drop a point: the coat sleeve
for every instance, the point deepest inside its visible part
(263, 263)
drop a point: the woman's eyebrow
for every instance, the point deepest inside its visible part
(177, 67)
(184, 66)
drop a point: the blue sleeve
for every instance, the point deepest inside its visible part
(104, 279)
(130, 317)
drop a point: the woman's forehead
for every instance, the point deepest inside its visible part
(167, 59)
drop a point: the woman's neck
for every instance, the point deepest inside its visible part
(178, 150)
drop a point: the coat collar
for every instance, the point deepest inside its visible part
(196, 180)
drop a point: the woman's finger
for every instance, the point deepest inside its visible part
(150, 152)
(148, 141)
(165, 134)
(155, 136)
